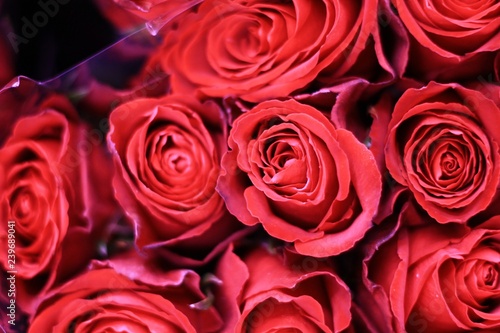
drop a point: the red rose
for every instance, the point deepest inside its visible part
(439, 278)
(266, 292)
(32, 195)
(303, 180)
(259, 49)
(167, 153)
(450, 39)
(127, 295)
(48, 189)
(443, 144)
(451, 29)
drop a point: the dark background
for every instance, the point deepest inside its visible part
(75, 31)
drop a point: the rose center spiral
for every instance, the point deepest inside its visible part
(177, 161)
(449, 163)
(284, 164)
(22, 204)
(490, 275)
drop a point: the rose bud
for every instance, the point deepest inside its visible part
(305, 181)
(443, 144)
(167, 153)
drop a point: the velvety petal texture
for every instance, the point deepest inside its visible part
(166, 153)
(273, 290)
(50, 167)
(450, 41)
(32, 192)
(258, 50)
(440, 278)
(117, 298)
(452, 28)
(306, 182)
(443, 144)
(237, 166)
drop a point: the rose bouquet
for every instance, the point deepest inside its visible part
(256, 166)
